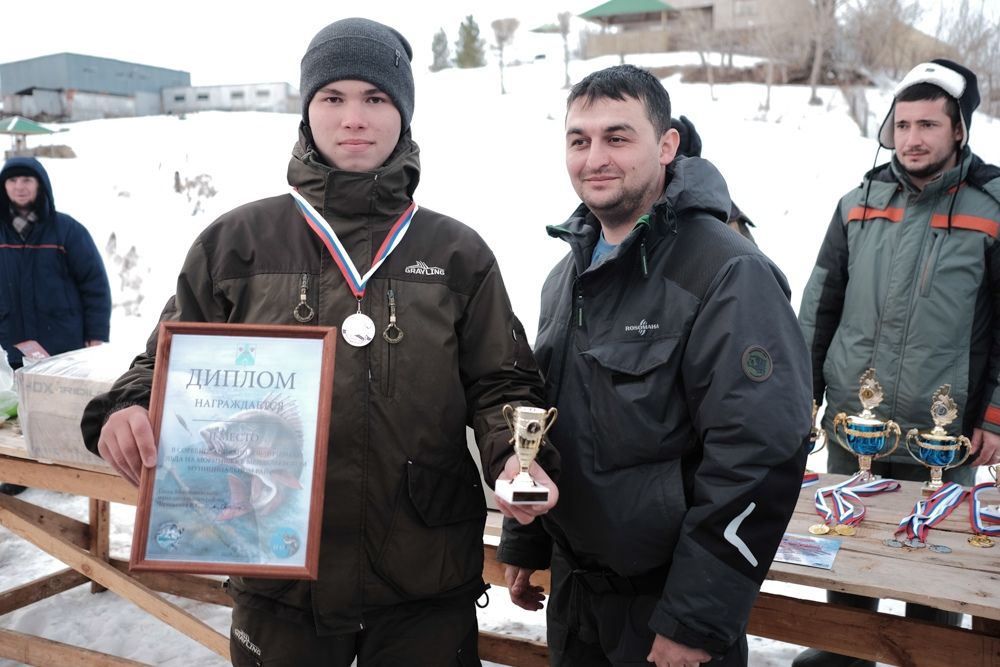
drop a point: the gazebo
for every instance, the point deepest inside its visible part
(626, 12)
(639, 26)
(19, 128)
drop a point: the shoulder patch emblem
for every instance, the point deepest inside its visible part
(757, 364)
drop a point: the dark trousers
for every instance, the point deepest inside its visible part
(843, 462)
(587, 629)
(432, 633)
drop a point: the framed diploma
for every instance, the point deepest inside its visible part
(240, 414)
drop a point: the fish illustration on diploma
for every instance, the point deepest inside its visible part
(264, 446)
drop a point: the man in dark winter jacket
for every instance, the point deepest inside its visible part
(682, 382)
(54, 290)
(438, 349)
(908, 282)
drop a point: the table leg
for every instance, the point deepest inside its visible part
(100, 535)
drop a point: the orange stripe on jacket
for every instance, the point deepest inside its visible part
(985, 225)
(858, 213)
(992, 415)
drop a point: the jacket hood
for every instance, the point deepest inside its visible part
(382, 192)
(45, 205)
(693, 185)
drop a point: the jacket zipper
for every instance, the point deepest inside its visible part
(906, 328)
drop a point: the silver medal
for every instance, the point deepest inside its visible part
(358, 330)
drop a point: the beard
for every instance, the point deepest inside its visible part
(932, 169)
(929, 170)
(620, 208)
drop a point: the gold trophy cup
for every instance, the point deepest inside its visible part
(866, 436)
(935, 448)
(529, 425)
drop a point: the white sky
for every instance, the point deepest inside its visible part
(260, 40)
(252, 41)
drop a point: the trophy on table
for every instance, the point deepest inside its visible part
(867, 436)
(935, 448)
(528, 425)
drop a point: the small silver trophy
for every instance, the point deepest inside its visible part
(817, 436)
(528, 425)
(935, 448)
(867, 436)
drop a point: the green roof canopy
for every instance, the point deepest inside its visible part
(19, 125)
(613, 8)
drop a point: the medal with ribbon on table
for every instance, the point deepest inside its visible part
(927, 513)
(845, 510)
(984, 519)
(358, 329)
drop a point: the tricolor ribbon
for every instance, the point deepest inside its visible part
(809, 478)
(325, 232)
(984, 519)
(846, 506)
(931, 511)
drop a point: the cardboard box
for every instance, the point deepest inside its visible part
(52, 394)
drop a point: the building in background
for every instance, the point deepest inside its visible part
(72, 87)
(277, 97)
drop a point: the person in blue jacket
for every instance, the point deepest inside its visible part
(53, 286)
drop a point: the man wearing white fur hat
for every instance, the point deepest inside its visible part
(908, 282)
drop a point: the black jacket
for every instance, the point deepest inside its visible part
(404, 508)
(682, 383)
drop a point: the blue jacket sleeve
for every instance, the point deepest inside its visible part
(86, 268)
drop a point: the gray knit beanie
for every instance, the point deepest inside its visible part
(364, 50)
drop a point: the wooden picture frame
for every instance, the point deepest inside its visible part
(240, 415)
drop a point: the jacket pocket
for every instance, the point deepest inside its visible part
(274, 589)
(930, 264)
(632, 414)
(435, 540)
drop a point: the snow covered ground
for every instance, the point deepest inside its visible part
(495, 162)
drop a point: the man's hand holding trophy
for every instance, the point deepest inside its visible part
(524, 490)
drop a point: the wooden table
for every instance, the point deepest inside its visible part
(967, 580)
(84, 548)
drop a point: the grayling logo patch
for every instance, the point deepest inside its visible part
(422, 269)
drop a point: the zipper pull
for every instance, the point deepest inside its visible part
(579, 310)
(303, 312)
(392, 333)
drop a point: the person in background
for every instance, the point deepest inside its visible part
(54, 288)
(690, 145)
(671, 351)
(438, 349)
(907, 282)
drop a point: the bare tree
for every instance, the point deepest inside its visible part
(503, 30)
(878, 36)
(776, 36)
(823, 30)
(564, 18)
(696, 26)
(973, 30)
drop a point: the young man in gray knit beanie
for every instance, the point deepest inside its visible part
(427, 345)
(356, 60)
